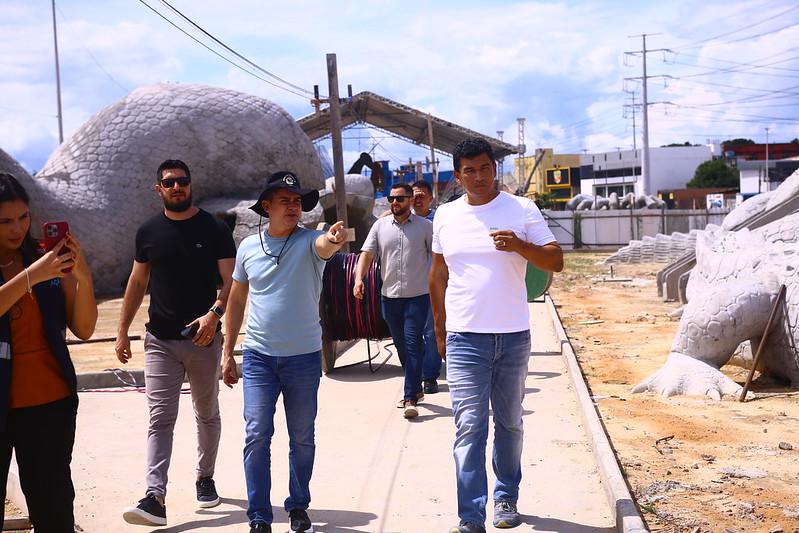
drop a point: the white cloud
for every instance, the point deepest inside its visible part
(479, 65)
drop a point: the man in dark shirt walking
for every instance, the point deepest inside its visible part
(180, 253)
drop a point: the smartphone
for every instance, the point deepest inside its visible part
(53, 233)
(190, 331)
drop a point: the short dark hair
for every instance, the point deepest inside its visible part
(422, 184)
(470, 148)
(404, 186)
(172, 163)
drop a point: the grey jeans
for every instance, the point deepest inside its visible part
(165, 363)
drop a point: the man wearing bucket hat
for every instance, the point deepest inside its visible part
(281, 271)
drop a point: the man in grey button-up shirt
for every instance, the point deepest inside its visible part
(403, 242)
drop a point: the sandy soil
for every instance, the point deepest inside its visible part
(688, 460)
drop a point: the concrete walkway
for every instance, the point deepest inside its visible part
(375, 471)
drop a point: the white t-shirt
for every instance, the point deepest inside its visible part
(486, 292)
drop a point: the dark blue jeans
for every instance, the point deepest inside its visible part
(265, 378)
(406, 318)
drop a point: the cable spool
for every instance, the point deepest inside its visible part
(345, 317)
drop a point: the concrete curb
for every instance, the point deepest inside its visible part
(628, 519)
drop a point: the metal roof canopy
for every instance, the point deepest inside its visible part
(400, 121)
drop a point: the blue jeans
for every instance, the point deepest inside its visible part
(406, 319)
(265, 378)
(432, 359)
(483, 367)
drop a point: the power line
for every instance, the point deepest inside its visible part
(752, 64)
(286, 86)
(88, 51)
(697, 43)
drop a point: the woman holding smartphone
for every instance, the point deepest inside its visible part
(40, 295)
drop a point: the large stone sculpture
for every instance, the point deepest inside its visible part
(731, 292)
(101, 180)
(587, 202)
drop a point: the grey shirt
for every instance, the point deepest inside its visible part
(404, 251)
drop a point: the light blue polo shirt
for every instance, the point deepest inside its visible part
(283, 318)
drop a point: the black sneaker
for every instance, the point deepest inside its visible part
(148, 513)
(429, 386)
(468, 527)
(260, 527)
(206, 492)
(506, 515)
(300, 521)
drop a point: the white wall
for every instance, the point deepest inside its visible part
(614, 229)
(671, 167)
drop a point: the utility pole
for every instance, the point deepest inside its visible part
(634, 146)
(522, 150)
(768, 184)
(338, 155)
(501, 169)
(645, 168)
(57, 79)
(645, 177)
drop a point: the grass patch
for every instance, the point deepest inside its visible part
(649, 508)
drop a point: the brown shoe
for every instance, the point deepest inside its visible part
(419, 399)
(410, 409)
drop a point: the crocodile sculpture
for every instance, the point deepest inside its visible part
(731, 293)
(101, 179)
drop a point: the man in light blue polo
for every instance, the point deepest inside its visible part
(403, 242)
(281, 271)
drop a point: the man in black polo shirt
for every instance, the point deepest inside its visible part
(179, 252)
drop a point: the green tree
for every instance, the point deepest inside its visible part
(738, 141)
(546, 200)
(714, 173)
(686, 143)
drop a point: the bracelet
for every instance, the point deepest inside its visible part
(28, 278)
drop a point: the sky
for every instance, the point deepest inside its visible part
(716, 70)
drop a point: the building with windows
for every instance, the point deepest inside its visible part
(671, 167)
(547, 172)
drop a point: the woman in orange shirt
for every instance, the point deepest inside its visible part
(40, 295)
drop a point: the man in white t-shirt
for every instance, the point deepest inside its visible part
(482, 243)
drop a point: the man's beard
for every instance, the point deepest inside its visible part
(399, 210)
(178, 206)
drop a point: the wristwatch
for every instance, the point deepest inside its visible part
(218, 311)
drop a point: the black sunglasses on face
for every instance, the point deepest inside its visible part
(170, 182)
(399, 199)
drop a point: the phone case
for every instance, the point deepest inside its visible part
(53, 233)
(190, 331)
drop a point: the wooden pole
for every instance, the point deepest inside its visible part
(431, 141)
(772, 317)
(338, 156)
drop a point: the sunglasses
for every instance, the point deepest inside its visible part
(170, 182)
(399, 199)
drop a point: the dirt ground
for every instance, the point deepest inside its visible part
(693, 464)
